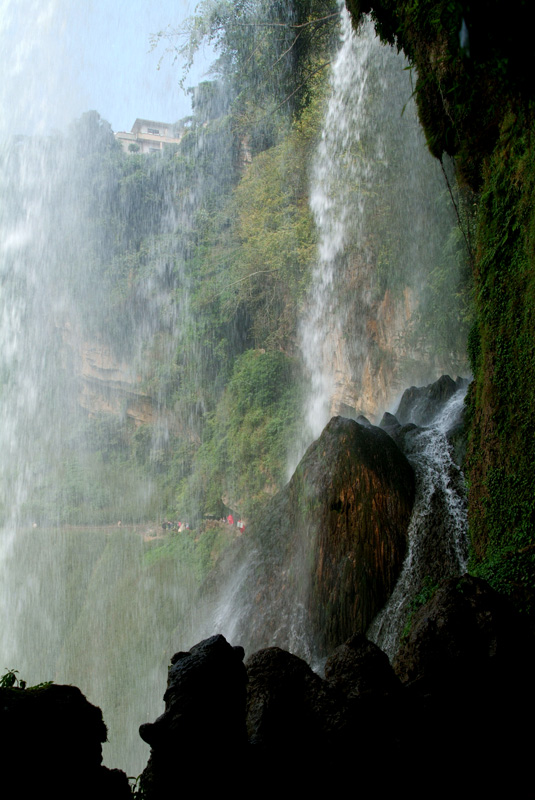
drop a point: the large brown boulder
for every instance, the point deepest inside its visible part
(326, 554)
(360, 490)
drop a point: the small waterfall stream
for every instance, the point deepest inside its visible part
(438, 540)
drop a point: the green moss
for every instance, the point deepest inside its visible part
(427, 591)
(477, 103)
(502, 448)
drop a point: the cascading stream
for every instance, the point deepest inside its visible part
(438, 531)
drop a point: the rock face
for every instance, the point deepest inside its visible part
(204, 719)
(50, 737)
(107, 384)
(420, 404)
(328, 550)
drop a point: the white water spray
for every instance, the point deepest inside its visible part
(438, 530)
(383, 219)
(340, 170)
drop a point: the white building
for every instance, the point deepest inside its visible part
(147, 136)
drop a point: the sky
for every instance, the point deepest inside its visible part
(59, 58)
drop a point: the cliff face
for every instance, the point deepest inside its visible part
(107, 384)
(369, 381)
(476, 104)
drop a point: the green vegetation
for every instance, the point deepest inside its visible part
(9, 680)
(427, 592)
(502, 451)
(197, 551)
(245, 453)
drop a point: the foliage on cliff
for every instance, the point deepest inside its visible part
(502, 452)
(192, 267)
(184, 263)
(475, 102)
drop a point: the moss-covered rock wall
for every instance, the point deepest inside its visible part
(476, 105)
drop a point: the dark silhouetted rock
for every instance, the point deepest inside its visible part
(459, 714)
(286, 701)
(51, 742)
(203, 725)
(467, 665)
(421, 404)
(358, 668)
(464, 636)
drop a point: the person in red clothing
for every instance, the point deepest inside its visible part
(230, 519)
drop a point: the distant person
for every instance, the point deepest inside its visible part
(230, 519)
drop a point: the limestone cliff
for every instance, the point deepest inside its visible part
(371, 380)
(107, 384)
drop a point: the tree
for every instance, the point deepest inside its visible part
(265, 47)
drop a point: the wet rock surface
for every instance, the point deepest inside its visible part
(330, 545)
(421, 404)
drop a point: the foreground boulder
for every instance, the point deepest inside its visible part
(465, 639)
(51, 743)
(203, 725)
(286, 702)
(467, 660)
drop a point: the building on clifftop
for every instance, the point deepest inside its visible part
(148, 136)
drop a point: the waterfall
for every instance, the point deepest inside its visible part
(340, 174)
(78, 603)
(96, 303)
(438, 531)
(383, 219)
